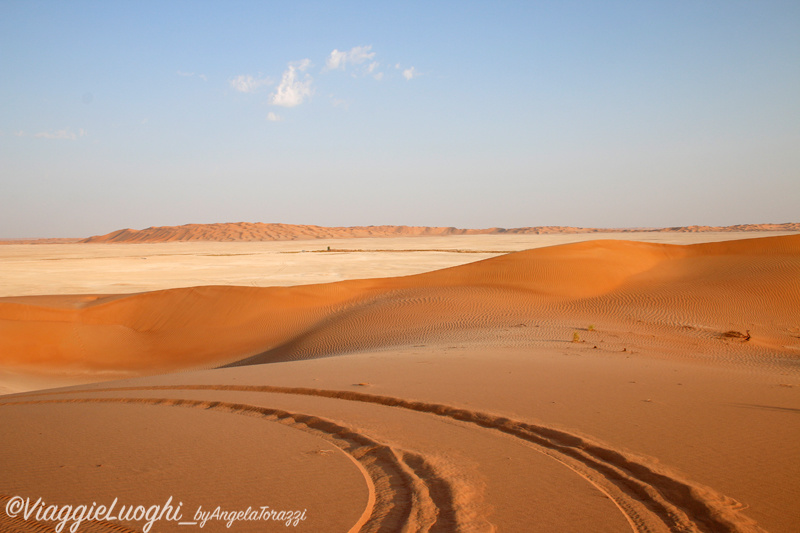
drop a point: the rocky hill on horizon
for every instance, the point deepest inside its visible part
(258, 231)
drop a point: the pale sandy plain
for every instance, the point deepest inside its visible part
(422, 391)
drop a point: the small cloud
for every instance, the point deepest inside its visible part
(356, 56)
(292, 89)
(272, 117)
(373, 69)
(338, 102)
(19, 133)
(248, 84)
(202, 77)
(336, 59)
(61, 134)
(410, 73)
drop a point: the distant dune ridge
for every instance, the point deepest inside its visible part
(697, 290)
(257, 231)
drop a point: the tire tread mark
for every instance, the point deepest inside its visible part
(409, 496)
(680, 505)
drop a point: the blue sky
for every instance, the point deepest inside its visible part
(468, 114)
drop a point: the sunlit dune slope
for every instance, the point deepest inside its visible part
(700, 287)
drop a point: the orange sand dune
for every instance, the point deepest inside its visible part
(601, 386)
(245, 231)
(697, 291)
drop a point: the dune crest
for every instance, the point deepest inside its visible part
(248, 231)
(700, 288)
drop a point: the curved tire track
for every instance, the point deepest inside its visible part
(406, 492)
(651, 500)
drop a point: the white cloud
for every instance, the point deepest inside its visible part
(293, 90)
(19, 133)
(61, 134)
(338, 102)
(410, 73)
(272, 117)
(336, 59)
(248, 84)
(373, 69)
(356, 56)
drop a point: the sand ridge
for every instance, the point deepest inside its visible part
(211, 326)
(258, 231)
(117, 268)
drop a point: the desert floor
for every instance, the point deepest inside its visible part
(33, 269)
(588, 387)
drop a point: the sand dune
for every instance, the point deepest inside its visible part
(248, 231)
(592, 386)
(593, 281)
(116, 268)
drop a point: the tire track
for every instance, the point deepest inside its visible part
(406, 492)
(650, 498)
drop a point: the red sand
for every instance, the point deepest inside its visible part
(458, 397)
(583, 283)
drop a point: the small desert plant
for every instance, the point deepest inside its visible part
(591, 327)
(576, 337)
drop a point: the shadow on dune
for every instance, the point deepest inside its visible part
(201, 327)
